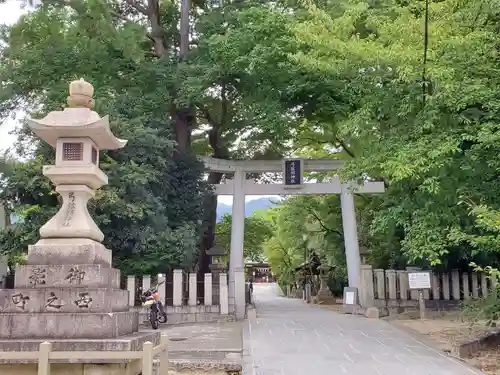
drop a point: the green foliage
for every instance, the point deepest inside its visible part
(257, 231)
(150, 213)
(429, 154)
(305, 224)
(483, 310)
(300, 225)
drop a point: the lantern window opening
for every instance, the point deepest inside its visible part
(72, 151)
(94, 155)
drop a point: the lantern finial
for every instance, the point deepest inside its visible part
(80, 94)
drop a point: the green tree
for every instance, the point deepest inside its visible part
(257, 231)
(432, 138)
(203, 97)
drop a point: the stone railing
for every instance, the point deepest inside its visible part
(391, 288)
(186, 298)
(142, 360)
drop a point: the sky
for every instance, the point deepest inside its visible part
(10, 11)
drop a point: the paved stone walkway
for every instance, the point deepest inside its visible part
(289, 337)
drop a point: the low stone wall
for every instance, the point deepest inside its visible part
(133, 368)
(469, 348)
(201, 368)
(399, 306)
(189, 314)
(174, 368)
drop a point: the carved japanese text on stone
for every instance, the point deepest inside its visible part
(84, 301)
(20, 300)
(38, 276)
(75, 276)
(68, 218)
(54, 302)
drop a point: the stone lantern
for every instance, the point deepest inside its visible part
(363, 254)
(77, 134)
(324, 295)
(68, 293)
(217, 267)
(217, 254)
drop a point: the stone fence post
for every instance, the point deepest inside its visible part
(223, 294)
(177, 293)
(366, 292)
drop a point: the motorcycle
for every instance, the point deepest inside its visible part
(151, 298)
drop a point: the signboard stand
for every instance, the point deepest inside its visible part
(420, 281)
(421, 304)
(350, 300)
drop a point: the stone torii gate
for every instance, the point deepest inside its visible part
(293, 170)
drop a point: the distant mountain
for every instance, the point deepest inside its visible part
(250, 207)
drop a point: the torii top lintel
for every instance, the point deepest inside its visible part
(255, 166)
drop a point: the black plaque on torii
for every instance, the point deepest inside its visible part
(292, 172)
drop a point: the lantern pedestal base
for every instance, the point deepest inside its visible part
(73, 219)
(70, 251)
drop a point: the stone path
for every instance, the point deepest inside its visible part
(289, 337)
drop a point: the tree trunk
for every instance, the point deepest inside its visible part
(209, 223)
(220, 151)
(208, 235)
(210, 205)
(184, 118)
(184, 47)
(184, 121)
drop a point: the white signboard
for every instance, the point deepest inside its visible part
(419, 280)
(349, 298)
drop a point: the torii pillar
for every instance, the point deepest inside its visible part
(236, 258)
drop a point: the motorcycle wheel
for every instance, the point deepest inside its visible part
(162, 318)
(153, 318)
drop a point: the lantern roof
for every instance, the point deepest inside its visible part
(325, 267)
(77, 121)
(216, 251)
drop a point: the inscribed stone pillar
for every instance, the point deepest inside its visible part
(391, 283)
(208, 300)
(455, 284)
(177, 287)
(379, 276)
(193, 288)
(367, 291)
(446, 285)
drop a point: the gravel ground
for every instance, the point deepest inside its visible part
(446, 330)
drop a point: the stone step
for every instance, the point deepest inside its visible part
(63, 300)
(67, 275)
(68, 325)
